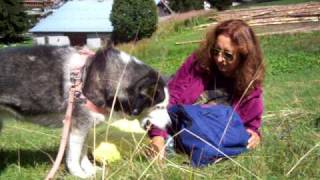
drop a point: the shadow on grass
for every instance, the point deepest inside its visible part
(25, 157)
(317, 123)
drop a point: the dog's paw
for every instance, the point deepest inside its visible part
(87, 166)
(78, 172)
(83, 170)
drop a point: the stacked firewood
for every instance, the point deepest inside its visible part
(271, 15)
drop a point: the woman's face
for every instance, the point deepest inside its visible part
(224, 56)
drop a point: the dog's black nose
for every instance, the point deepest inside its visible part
(135, 112)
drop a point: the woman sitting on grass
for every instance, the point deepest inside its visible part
(227, 68)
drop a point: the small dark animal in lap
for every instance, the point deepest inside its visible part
(35, 81)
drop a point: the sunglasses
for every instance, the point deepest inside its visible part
(225, 54)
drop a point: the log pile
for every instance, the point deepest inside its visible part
(272, 15)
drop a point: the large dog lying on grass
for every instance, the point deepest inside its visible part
(34, 83)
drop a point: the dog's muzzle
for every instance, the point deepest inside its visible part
(135, 112)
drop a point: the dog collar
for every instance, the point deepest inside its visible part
(76, 79)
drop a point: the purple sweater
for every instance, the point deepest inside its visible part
(187, 85)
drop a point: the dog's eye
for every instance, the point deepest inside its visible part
(149, 93)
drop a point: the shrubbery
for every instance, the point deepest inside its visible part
(185, 5)
(133, 19)
(13, 21)
(220, 4)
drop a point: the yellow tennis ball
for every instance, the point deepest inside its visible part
(106, 153)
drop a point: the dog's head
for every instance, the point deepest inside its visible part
(114, 77)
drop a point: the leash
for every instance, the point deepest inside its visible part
(74, 89)
(75, 95)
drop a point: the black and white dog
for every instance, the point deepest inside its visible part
(34, 82)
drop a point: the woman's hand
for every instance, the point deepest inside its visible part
(157, 146)
(254, 140)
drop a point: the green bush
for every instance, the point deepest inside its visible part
(220, 4)
(13, 21)
(191, 22)
(133, 19)
(185, 5)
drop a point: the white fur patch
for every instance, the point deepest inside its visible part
(159, 115)
(165, 102)
(73, 61)
(126, 58)
(137, 60)
(73, 154)
(32, 58)
(98, 118)
(77, 61)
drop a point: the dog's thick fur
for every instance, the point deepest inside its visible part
(34, 82)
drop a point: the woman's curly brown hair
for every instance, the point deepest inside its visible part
(247, 49)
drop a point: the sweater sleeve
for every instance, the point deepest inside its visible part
(251, 110)
(181, 84)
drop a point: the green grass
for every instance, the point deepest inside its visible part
(291, 124)
(27, 41)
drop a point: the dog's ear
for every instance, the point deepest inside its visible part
(84, 70)
(95, 96)
(109, 44)
(147, 81)
(151, 85)
(143, 93)
(92, 87)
